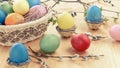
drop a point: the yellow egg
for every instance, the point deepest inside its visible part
(65, 21)
(21, 7)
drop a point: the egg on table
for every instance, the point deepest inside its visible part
(94, 17)
(49, 43)
(115, 32)
(18, 55)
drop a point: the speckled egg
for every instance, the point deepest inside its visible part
(93, 14)
(49, 43)
(18, 53)
(115, 32)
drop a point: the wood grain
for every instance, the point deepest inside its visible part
(107, 46)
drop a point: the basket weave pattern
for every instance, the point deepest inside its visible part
(24, 32)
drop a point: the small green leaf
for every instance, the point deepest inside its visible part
(105, 19)
(115, 19)
(54, 21)
(101, 9)
(85, 13)
(50, 20)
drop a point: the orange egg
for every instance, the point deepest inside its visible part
(14, 18)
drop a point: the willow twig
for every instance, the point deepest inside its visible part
(75, 56)
(43, 63)
(96, 37)
(35, 53)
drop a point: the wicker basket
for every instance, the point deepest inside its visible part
(25, 32)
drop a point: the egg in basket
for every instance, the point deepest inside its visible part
(22, 21)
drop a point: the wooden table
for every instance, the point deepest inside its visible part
(108, 47)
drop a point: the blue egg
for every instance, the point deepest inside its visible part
(18, 53)
(33, 2)
(93, 14)
(2, 17)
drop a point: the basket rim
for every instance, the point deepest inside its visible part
(29, 22)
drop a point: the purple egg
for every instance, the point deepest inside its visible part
(36, 12)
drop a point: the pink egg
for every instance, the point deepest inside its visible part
(115, 32)
(36, 12)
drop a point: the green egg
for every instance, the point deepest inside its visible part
(49, 43)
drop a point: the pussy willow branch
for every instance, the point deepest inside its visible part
(74, 56)
(93, 37)
(61, 57)
(85, 5)
(43, 63)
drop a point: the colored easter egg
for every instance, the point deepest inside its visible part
(93, 14)
(80, 42)
(14, 18)
(18, 53)
(2, 17)
(115, 32)
(21, 7)
(33, 2)
(65, 21)
(36, 12)
(49, 43)
(6, 7)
